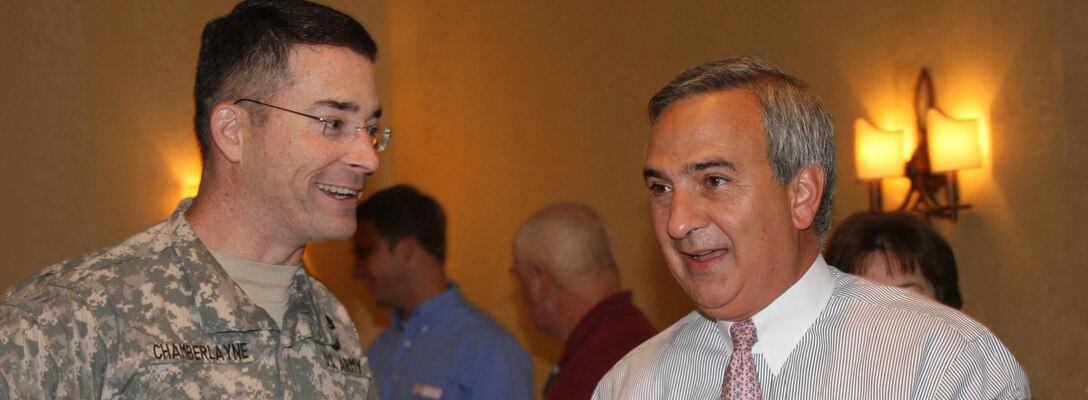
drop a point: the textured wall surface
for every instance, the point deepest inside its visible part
(503, 107)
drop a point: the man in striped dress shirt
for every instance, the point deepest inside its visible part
(741, 166)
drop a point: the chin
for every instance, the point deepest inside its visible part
(709, 300)
(339, 230)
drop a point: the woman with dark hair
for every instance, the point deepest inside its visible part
(896, 249)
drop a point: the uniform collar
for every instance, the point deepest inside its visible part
(220, 303)
(306, 317)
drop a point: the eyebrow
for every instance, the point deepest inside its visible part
(652, 173)
(696, 167)
(344, 106)
(339, 105)
(716, 163)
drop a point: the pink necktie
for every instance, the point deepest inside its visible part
(741, 379)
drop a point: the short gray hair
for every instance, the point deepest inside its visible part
(799, 130)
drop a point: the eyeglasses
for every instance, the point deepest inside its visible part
(337, 131)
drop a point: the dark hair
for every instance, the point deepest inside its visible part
(403, 211)
(246, 52)
(798, 128)
(902, 237)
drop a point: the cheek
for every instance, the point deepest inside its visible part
(296, 157)
(763, 224)
(523, 291)
(660, 216)
(375, 265)
(524, 296)
(535, 295)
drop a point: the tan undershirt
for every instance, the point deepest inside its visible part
(266, 284)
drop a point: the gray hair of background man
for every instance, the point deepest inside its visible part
(798, 128)
(246, 53)
(571, 240)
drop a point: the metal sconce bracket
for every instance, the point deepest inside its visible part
(926, 187)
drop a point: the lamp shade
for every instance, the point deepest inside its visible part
(953, 144)
(879, 153)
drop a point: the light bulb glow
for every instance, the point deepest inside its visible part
(879, 154)
(953, 144)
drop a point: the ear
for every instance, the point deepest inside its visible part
(541, 275)
(226, 126)
(805, 191)
(540, 282)
(408, 250)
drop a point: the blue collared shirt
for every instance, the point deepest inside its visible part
(449, 349)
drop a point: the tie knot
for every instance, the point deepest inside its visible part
(744, 335)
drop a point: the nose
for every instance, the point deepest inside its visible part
(361, 154)
(685, 215)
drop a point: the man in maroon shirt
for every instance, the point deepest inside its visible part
(571, 287)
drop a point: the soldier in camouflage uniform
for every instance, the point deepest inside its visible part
(158, 316)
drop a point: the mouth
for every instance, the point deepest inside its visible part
(699, 257)
(705, 255)
(340, 192)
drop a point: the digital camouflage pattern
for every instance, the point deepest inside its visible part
(157, 317)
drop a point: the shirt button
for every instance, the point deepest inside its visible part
(396, 378)
(407, 343)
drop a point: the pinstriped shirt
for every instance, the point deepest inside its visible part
(857, 340)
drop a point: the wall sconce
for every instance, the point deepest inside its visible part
(945, 145)
(879, 155)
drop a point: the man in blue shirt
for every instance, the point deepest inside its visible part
(439, 346)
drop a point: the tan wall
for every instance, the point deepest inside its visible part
(502, 107)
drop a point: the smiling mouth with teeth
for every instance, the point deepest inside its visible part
(340, 193)
(699, 256)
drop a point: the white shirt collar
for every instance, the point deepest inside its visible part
(781, 324)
